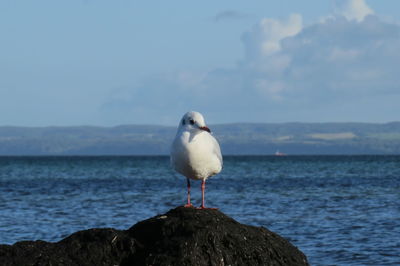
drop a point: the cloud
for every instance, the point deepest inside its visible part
(265, 37)
(229, 15)
(339, 57)
(341, 69)
(353, 9)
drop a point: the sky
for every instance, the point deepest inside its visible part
(107, 63)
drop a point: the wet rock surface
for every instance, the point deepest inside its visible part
(182, 236)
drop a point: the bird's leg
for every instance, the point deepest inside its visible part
(188, 194)
(203, 188)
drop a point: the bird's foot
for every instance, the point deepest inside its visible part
(189, 205)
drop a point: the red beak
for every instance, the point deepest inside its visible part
(205, 129)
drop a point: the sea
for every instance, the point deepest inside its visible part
(338, 210)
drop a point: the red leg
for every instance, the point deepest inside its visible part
(188, 194)
(203, 188)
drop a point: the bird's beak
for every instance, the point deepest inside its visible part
(205, 129)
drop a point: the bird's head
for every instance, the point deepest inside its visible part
(193, 121)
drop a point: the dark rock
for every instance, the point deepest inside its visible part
(182, 236)
(89, 247)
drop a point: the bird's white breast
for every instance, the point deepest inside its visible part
(196, 156)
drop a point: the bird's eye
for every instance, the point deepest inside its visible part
(191, 121)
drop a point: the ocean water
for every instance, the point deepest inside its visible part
(339, 210)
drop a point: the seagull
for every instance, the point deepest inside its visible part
(195, 153)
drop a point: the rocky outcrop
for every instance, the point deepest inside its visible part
(182, 236)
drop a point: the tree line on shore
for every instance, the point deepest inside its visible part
(235, 139)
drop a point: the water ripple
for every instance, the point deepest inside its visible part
(339, 210)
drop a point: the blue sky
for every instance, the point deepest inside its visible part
(148, 62)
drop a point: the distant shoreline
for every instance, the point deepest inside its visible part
(235, 139)
(225, 156)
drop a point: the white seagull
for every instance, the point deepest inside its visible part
(195, 153)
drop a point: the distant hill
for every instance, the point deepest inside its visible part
(235, 139)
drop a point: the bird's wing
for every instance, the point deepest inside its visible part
(217, 149)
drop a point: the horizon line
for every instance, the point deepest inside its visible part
(214, 124)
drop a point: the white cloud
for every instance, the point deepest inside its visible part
(265, 38)
(329, 70)
(353, 9)
(340, 54)
(271, 89)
